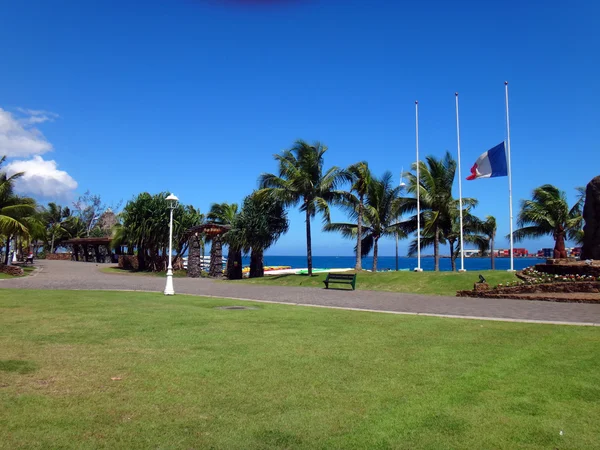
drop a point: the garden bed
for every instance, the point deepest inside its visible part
(563, 291)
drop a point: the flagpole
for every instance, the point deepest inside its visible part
(460, 203)
(418, 269)
(510, 202)
(401, 186)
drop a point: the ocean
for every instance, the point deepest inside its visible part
(389, 262)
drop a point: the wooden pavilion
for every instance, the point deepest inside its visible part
(92, 249)
(214, 231)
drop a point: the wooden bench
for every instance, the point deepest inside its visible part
(341, 278)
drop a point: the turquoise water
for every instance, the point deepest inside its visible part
(389, 262)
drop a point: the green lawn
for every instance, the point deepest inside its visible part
(436, 283)
(26, 269)
(188, 375)
(116, 270)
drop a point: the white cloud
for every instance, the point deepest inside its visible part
(33, 116)
(42, 179)
(18, 137)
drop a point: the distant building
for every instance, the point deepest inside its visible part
(545, 253)
(517, 252)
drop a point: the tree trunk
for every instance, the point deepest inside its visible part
(7, 256)
(358, 265)
(257, 266)
(234, 264)
(141, 257)
(375, 252)
(52, 244)
(396, 251)
(452, 256)
(308, 243)
(559, 246)
(492, 256)
(436, 248)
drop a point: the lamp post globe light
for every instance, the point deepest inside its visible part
(172, 201)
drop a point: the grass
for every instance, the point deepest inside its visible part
(26, 269)
(137, 370)
(116, 270)
(435, 283)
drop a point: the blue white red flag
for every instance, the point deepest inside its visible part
(490, 164)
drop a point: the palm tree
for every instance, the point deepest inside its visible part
(438, 207)
(361, 180)
(577, 234)
(222, 213)
(257, 227)
(226, 214)
(303, 180)
(55, 216)
(381, 210)
(14, 210)
(548, 213)
(472, 228)
(488, 229)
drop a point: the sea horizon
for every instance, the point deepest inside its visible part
(389, 262)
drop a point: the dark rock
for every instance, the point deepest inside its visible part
(216, 258)
(478, 287)
(591, 216)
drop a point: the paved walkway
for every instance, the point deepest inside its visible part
(73, 275)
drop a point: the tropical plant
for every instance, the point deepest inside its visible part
(438, 207)
(381, 211)
(302, 180)
(450, 234)
(15, 212)
(55, 217)
(488, 229)
(144, 226)
(548, 213)
(222, 213)
(74, 228)
(577, 234)
(226, 214)
(361, 180)
(257, 227)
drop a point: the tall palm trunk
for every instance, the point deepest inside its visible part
(234, 264)
(452, 256)
(257, 266)
(492, 256)
(375, 253)
(52, 244)
(358, 265)
(559, 246)
(436, 248)
(308, 243)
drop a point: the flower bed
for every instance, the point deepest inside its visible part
(15, 271)
(535, 284)
(533, 276)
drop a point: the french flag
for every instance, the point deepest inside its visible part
(490, 164)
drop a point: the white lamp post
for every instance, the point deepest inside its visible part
(169, 287)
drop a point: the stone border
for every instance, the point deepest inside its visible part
(543, 292)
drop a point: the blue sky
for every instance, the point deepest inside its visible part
(195, 97)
